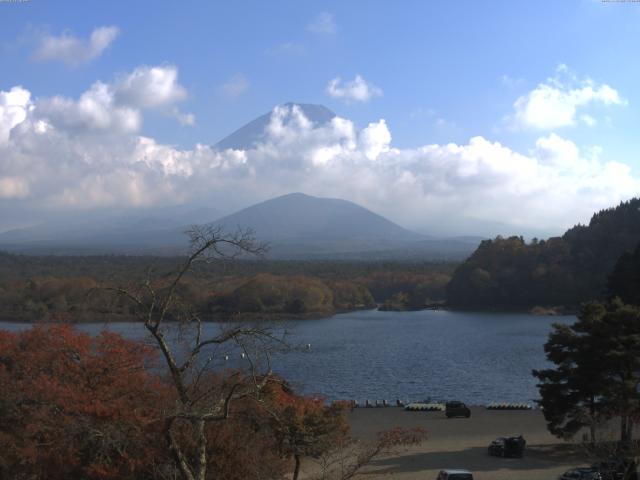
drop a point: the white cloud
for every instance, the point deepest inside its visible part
(556, 102)
(556, 151)
(75, 51)
(117, 106)
(96, 109)
(14, 106)
(323, 23)
(375, 139)
(235, 86)
(357, 90)
(186, 119)
(73, 154)
(150, 87)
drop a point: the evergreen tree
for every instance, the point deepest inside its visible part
(624, 281)
(597, 371)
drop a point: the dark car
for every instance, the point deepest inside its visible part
(512, 447)
(581, 474)
(456, 474)
(456, 409)
(617, 469)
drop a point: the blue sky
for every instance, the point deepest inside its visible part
(442, 72)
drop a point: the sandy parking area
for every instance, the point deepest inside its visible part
(462, 443)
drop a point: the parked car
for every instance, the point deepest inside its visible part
(512, 447)
(588, 473)
(617, 469)
(455, 475)
(456, 409)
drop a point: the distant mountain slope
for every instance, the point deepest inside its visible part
(249, 135)
(296, 226)
(158, 230)
(300, 223)
(565, 270)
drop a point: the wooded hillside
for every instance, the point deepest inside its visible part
(560, 271)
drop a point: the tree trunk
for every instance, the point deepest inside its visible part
(180, 459)
(628, 434)
(592, 426)
(625, 428)
(296, 470)
(201, 455)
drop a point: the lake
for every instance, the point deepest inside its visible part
(478, 358)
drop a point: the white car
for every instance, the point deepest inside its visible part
(455, 475)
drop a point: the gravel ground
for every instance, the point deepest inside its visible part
(462, 443)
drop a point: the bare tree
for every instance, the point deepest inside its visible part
(349, 457)
(204, 389)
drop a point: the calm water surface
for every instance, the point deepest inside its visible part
(475, 357)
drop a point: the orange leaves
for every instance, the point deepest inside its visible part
(304, 425)
(76, 406)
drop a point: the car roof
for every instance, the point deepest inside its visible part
(457, 470)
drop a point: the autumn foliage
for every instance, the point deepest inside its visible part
(78, 407)
(305, 426)
(75, 406)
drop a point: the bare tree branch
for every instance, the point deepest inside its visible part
(157, 302)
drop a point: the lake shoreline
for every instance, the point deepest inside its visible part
(278, 317)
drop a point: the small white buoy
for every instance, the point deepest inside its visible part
(242, 355)
(226, 357)
(308, 346)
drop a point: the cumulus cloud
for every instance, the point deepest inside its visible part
(150, 87)
(75, 51)
(14, 106)
(357, 90)
(117, 107)
(323, 23)
(93, 162)
(96, 109)
(235, 86)
(555, 103)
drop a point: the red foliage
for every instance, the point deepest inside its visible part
(304, 425)
(244, 448)
(75, 406)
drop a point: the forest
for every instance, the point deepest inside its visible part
(78, 288)
(510, 273)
